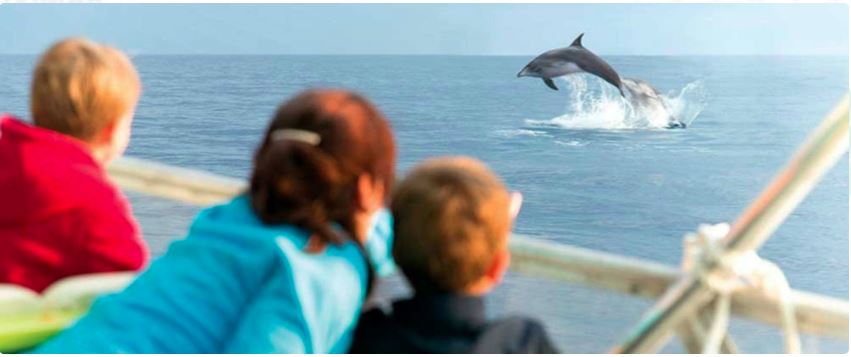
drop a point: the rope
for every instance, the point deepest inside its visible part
(736, 271)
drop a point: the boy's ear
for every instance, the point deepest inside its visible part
(111, 142)
(104, 137)
(499, 266)
(116, 133)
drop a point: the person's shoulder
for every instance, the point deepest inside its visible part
(91, 187)
(373, 319)
(373, 330)
(515, 334)
(99, 200)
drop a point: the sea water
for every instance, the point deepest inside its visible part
(594, 172)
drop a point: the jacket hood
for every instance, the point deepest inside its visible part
(42, 171)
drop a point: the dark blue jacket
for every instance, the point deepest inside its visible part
(445, 323)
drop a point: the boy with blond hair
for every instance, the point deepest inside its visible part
(59, 214)
(452, 219)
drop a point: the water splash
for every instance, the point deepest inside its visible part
(598, 105)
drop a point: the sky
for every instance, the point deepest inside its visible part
(455, 29)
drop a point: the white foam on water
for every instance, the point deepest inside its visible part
(688, 103)
(570, 143)
(598, 105)
(513, 133)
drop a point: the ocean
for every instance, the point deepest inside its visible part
(593, 173)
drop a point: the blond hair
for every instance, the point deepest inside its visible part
(451, 219)
(80, 87)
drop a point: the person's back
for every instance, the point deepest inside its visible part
(59, 214)
(446, 323)
(452, 218)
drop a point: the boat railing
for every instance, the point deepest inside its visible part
(815, 314)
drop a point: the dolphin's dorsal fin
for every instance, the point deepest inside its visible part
(578, 41)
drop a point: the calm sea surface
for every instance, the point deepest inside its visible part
(590, 178)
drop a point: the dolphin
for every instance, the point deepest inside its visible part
(643, 96)
(569, 60)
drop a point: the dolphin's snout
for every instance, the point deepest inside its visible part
(523, 72)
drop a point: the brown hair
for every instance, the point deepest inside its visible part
(450, 219)
(311, 186)
(80, 87)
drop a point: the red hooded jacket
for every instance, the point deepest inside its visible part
(59, 213)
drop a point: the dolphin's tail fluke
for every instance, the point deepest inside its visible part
(675, 124)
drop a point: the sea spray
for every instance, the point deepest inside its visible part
(595, 104)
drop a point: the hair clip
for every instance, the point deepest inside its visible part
(304, 136)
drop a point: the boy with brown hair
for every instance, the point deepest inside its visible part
(452, 219)
(59, 213)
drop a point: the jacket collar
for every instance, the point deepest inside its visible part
(442, 312)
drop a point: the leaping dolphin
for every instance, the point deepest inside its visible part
(569, 60)
(643, 96)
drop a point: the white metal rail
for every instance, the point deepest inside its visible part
(816, 314)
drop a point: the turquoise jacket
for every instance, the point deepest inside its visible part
(236, 285)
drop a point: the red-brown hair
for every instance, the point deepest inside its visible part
(311, 186)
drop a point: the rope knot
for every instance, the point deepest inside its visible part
(726, 272)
